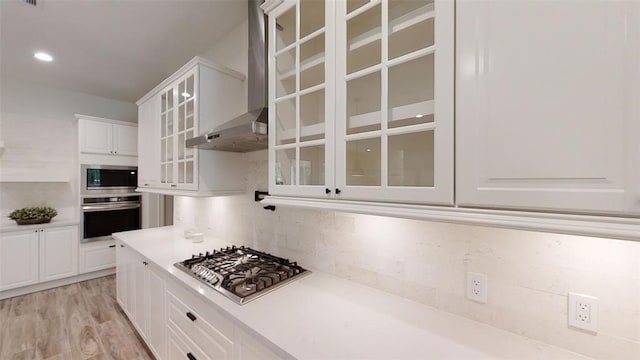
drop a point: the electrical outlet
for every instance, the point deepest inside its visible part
(583, 312)
(477, 287)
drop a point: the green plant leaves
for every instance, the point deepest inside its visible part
(36, 212)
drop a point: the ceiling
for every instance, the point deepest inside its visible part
(110, 48)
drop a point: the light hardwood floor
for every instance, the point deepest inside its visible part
(77, 321)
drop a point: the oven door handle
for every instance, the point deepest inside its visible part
(110, 207)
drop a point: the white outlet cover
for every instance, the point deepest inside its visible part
(583, 312)
(476, 288)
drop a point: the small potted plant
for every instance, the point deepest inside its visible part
(33, 215)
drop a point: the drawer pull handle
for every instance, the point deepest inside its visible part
(191, 357)
(191, 316)
(112, 246)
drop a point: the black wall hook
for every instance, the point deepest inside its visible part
(259, 196)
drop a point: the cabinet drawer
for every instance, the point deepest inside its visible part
(214, 338)
(178, 347)
(97, 256)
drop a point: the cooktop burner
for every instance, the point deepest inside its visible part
(241, 273)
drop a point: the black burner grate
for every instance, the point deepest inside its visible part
(241, 271)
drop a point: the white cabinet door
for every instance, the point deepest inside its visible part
(149, 135)
(96, 137)
(301, 99)
(18, 259)
(141, 293)
(155, 311)
(58, 252)
(97, 256)
(178, 347)
(140, 302)
(547, 105)
(126, 279)
(210, 332)
(130, 282)
(125, 140)
(394, 101)
(178, 110)
(121, 275)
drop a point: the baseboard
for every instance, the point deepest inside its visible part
(55, 283)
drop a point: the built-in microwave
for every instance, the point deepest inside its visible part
(108, 179)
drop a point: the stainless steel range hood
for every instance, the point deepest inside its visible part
(247, 132)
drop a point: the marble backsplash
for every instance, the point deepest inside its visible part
(529, 273)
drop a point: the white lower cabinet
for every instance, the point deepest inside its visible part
(155, 311)
(214, 336)
(32, 256)
(122, 277)
(58, 252)
(96, 256)
(176, 323)
(210, 332)
(181, 348)
(18, 259)
(140, 293)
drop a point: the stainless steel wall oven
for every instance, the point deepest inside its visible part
(103, 216)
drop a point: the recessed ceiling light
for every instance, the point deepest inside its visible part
(419, 116)
(43, 56)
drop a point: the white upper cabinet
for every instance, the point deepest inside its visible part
(361, 100)
(548, 105)
(198, 97)
(149, 153)
(103, 136)
(125, 140)
(96, 137)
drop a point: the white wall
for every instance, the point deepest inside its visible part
(529, 273)
(40, 132)
(226, 52)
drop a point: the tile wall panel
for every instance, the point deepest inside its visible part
(529, 272)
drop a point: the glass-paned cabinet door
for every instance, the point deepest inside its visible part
(301, 96)
(394, 100)
(185, 129)
(167, 138)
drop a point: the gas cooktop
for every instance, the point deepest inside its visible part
(241, 273)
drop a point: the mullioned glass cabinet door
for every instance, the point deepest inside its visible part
(178, 122)
(301, 93)
(394, 100)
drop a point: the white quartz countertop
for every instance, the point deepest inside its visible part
(321, 316)
(12, 226)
